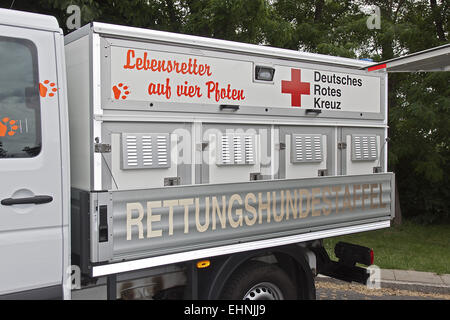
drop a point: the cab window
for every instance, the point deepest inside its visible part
(20, 116)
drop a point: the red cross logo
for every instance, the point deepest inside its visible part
(295, 87)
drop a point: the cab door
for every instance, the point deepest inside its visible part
(31, 235)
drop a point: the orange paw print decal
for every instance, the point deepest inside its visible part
(4, 124)
(120, 91)
(47, 87)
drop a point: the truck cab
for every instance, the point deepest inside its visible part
(34, 157)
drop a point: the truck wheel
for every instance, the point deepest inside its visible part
(257, 280)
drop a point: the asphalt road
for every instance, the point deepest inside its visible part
(331, 289)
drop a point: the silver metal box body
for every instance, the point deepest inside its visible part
(176, 147)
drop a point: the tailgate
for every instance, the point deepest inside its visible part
(136, 224)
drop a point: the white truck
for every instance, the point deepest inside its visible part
(158, 165)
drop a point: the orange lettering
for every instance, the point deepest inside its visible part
(160, 89)
(130, 55)
(155, 65)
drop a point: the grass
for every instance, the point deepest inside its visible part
(407, 247)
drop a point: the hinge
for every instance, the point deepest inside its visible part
(102, 148)
(202, 146)
(342, 145)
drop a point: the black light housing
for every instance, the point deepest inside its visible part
(264, 73)
(350, 254)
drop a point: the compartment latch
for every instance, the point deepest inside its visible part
(101, 147)
(256, 176)
(377, 169)
(172, 181)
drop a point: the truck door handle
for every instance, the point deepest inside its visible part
(28, 200)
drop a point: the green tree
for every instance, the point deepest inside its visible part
(160, 15)
(237, 20)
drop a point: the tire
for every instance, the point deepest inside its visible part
(256, 280)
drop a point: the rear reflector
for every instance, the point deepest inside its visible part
(378, 67)
(203, 264)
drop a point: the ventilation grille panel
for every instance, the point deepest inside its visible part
(364, 148)
(236, 149)
(306, 148)
(145, 150)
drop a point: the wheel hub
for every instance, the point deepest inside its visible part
(264, 291)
